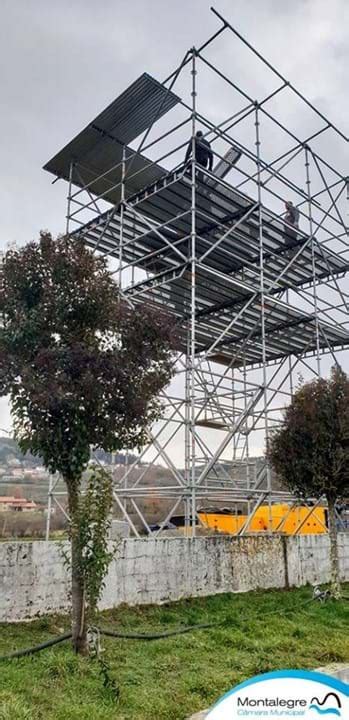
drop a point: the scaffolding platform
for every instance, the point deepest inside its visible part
(226, 272)
(157, 226)
(288, 331)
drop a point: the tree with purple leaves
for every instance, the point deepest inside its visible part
(81, 367)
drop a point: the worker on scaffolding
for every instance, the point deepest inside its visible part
(203, 152)
(291, 223)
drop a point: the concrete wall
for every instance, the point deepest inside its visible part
(308, 558)
(35, 581)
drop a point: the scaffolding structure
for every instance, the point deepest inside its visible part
(254, 301)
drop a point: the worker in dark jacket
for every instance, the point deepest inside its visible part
(203, 152)
(292, 219)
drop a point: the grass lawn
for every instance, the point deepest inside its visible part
(170, 679)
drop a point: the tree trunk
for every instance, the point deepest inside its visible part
(332, 531)
(79, 620)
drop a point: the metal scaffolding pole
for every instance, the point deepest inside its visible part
(49, 508)
(193, 294)
(311, 233)
(122, 212)
(187, 437)
(262, 296)
(71, 170)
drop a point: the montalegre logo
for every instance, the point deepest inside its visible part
(285, 694)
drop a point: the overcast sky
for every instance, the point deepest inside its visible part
(63, 62)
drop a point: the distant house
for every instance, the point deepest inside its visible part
(8, 502)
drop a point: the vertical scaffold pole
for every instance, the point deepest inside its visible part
(67, 227)
(49, 508)
(247, 445)
(313, 262)
(347, 189)
(71, 169)
(290, 368)
(122, 209)
(262, 297)
(121, 242)
(193, 293)
(233, 412)
(187, 428)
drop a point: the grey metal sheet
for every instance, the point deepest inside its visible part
(101, 159)
(288, 331)
(297, 339)
(285, 336)
(99, 145)
(238, 255)
(216, 210)
(213, 299)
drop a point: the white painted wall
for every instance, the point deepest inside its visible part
(35, 581)
(308, 558)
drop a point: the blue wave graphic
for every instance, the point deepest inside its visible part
(326, 711)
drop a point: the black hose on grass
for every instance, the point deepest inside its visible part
(145, 636)
(159, 636)
(109, 633)
(36, 648)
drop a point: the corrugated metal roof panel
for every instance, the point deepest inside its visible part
(99, 159)
(99, 146)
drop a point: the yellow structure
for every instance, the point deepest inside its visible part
(280, 518)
